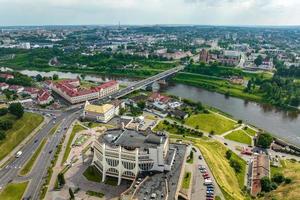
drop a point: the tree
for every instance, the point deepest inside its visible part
(16, 109)
(39, 78)
(278, 178)
(71, 194)
(141, 104)
(3, 111)
(258, 61)
(264, 140)
(61, 179)
(228, 154)
(5, 125)
(236, 165)
(2, 135)
(265, 184)
(55, 77)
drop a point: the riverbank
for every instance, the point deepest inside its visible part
(223, 86)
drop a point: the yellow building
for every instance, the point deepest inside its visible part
(101, 113)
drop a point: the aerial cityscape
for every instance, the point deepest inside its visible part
(130, 100)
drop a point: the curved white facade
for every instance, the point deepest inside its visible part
(117, 161)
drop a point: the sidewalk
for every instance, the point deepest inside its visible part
(27, 139)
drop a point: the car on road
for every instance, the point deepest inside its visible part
(18, 154)
(200, 157)
(225, 143)
(50, 151)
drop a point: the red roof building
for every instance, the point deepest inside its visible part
(70, 90)
(3, 86)
(6, 76)
(44, 97)
(155, 96)
(33, 92)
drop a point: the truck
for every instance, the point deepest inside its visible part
(18, 154)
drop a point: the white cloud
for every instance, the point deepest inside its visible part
(227, 12)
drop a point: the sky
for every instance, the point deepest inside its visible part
(148, 12)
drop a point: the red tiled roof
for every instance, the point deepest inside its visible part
(31, 90)
(15, 87)
(6, 76)
(43, 95)
(158, 97)
(3, 84)
(71, 90)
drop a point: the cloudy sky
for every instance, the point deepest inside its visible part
(204, 12)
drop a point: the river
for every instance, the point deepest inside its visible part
(283, 124)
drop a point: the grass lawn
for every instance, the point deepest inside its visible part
(77, 128)
(229, 181)
(13, 191)
(92, 174)
(250, 131)
(97, 124)
(186, 180)
(290, 191)
(26, 169)
(239, 136)
(20, 130)
(210, 122)
(95, 194)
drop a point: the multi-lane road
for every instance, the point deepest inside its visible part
(10, 172)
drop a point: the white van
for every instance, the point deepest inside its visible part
(19, 153)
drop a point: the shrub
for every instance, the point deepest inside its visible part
(5, 125)
(2, 135)
(287, 180)
(278, 178)
(228, 154)
(265, 184)
(264, 140)
(3, 111)
(235, 165)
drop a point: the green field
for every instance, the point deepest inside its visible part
(250, 131)
(77, 128)
(290, 191)
(20, 130)
(13, 191)
(239, 136)
(216, 84)
(92, 174)
(210, 122)
(27, 168)
(186, 180)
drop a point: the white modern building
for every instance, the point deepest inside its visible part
(125, 153)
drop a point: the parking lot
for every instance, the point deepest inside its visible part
(156, 184)
(199, 190)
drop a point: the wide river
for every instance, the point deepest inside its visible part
(285, 125)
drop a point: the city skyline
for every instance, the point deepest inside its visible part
(145, 12)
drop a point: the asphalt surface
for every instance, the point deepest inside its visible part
(10, 172)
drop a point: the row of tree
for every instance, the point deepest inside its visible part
(15, 109)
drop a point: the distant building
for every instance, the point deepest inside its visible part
(157, 97)
(204, 56)
(101, 113)
(44, 97)
(3, 86)
(33, 92)
(7, 76)
(125, 153)
(179, 114)
(16, 88)
(71, 91)
(260, 168)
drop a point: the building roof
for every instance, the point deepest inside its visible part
(97, 109)
(131, 139)
(43, 95)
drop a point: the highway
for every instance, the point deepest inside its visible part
(10, 172)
